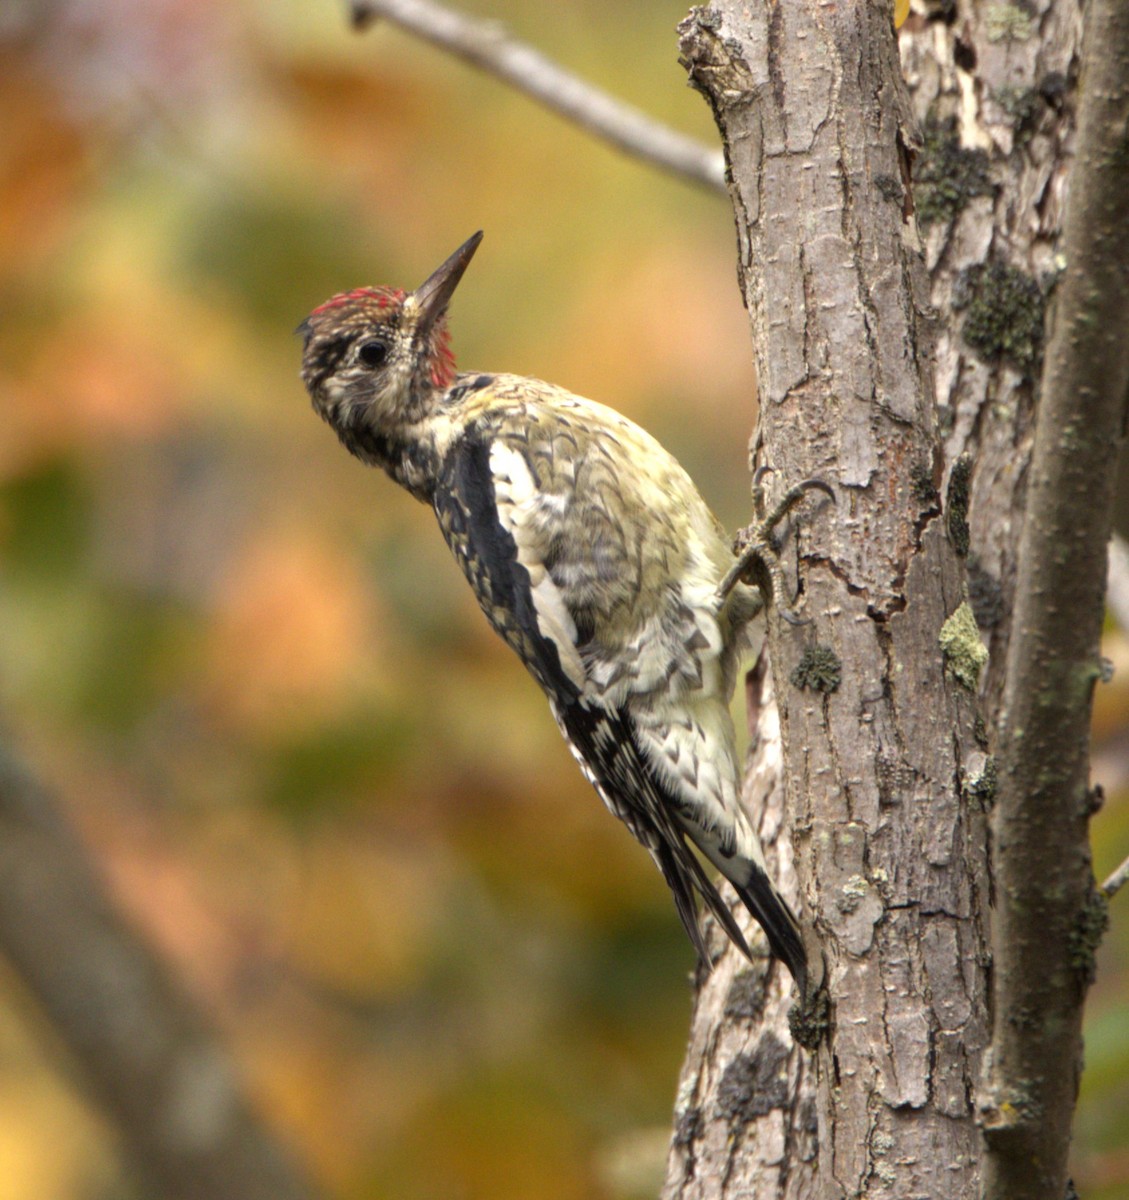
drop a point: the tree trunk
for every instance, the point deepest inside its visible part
(149, 1058)
(1048, 917)
(901, 368)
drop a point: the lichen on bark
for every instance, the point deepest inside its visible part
(965, 654)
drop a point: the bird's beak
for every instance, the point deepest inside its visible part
(434, 294)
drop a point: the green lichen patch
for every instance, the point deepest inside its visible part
(921, 483)
(947, 175)
(1007, 23)
(1019, 1106)
(754, 1083)
(980, 732)
(1005, 315)
(745, 1000)
(956, 503)
(965, 654)
(1024, 106)
(819, 669)
(1087, 935)
(980, 789)
(1092, 800)
(852, 894)
(809, 1022)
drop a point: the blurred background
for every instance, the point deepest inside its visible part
(249, 666)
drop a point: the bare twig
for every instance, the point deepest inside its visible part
(1116, 881)
(136, 1037)
(1047, 925)
(486, 45)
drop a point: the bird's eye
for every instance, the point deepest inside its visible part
(373, 354)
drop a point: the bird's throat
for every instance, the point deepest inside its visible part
(407, 453)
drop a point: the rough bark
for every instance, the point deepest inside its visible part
(159, 1073)
(996, 105)
(993, 89)
(1048, 918)
(889, 843)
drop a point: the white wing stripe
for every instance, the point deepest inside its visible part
(519, 503)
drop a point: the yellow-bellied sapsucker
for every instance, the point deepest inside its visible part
(592, 554)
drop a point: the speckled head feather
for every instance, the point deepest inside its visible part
(376, 358)
(382, 297)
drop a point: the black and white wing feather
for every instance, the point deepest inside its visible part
(547, 590)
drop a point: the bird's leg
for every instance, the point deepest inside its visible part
(758, 555)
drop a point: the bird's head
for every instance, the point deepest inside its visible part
(375, 358)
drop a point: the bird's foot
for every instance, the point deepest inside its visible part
(758, 552)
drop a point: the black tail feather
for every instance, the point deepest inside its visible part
(685, 875)
(779, 925)
(604, 743)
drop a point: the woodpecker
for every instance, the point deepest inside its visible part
(593, 555)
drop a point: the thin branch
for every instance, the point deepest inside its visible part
(1046, 925)
(486, 45)
(138, 1040)
(1116, 881)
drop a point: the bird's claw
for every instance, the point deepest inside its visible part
(758, 559)
(791, 616)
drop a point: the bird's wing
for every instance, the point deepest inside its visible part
(605, 745)
(486, 509)
(537, 587)
(581, 550)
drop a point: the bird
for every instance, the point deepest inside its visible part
(594, 556)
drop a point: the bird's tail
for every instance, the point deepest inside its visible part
(685, 875)
(760, 897)
(743, 865)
